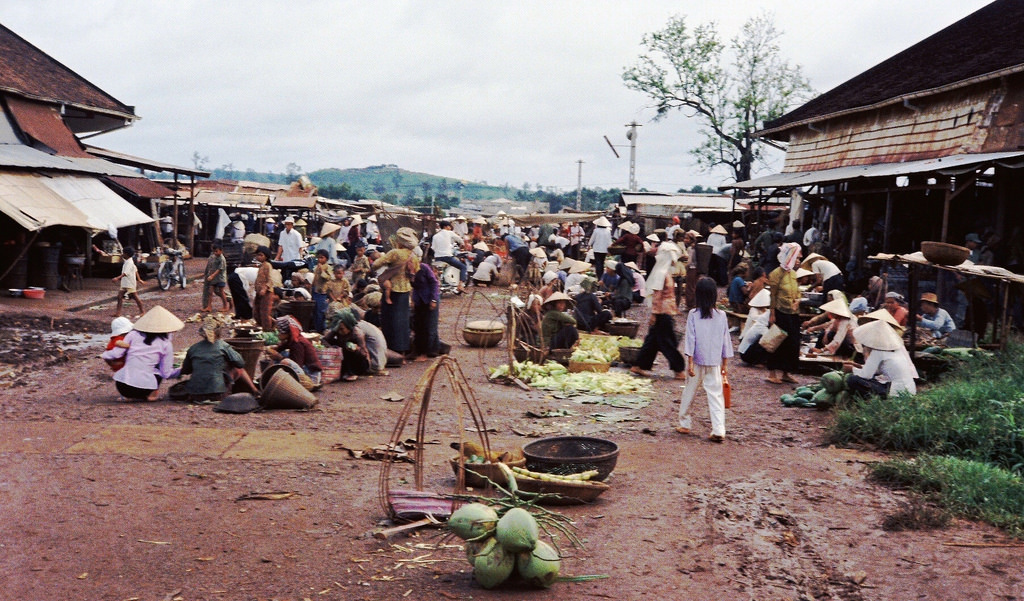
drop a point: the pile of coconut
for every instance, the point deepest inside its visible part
(498, 547)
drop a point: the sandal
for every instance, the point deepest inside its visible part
(683, 430)
(350, 378)
(716, 438)
(773, 380)
(788, 378)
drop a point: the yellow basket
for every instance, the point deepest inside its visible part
(578, 366)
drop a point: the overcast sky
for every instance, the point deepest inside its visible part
(502, 92)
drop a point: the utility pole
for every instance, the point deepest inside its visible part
(579, 184)
(631, 136)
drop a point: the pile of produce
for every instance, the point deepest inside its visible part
(498, 546)
(625, 342)
(556, 377)
(829, 391)
(597, 349)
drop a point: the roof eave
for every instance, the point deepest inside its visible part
(772, 132)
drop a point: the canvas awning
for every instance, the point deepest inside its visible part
(294, 202)
(951, 165)
(102, 207)
(653, 204)
(237, 200)
(33, 205)
(529, 220)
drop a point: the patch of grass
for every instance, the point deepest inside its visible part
(968, 433)
(969, 488)
(976, 412)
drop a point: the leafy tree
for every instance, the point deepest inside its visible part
(199, 161)
(292, 172)
(731, 96)
(379, 189)
(396, 179)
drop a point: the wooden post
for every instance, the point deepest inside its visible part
(888, 220)
(174, 217)
(945, 214)
(1005, 333)
(191, 215)
(912, 305)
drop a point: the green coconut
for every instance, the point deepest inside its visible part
(823, 399)
(833, 381)
(517, 531)
(472, 520)
(540, 566)
(493, 565)
(474, 548)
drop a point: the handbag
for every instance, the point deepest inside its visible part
(771, 341)
(727, 392)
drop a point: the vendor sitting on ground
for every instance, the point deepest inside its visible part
(834, 338)
(590, 315)
(886, 371)
(214, 365)
(558, 328)
(933, 319)
(364, 349)
(296, 351)
(893, 303)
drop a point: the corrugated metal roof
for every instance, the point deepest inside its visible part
(984, 45)
(142, 187)
(30, 72)
(142, 163)
(950, 165)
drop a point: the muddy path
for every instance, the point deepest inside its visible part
(104, 500)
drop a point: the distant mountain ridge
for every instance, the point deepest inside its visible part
(379, 180)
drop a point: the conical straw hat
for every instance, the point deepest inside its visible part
(557, 296)
(880, 315)
(838, 307)
(283, 391)
(602, 221)
(811, 258)
(158, 321)
(878, 335)
(761, 300)
(579, 267)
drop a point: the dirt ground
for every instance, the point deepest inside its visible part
(106, 500)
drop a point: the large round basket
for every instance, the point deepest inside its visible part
(522, 353)
(941, 253)
(559, 355)
(476, 472)
(483, 333)
(629, 354)
(623, 327)
(572, 455)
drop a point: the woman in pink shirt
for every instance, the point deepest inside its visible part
(148, 354)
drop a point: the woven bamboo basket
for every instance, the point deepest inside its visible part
(942, 253)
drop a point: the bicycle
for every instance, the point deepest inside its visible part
(172, 270)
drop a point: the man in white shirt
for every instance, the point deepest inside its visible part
(289, 242)
(460, 226)
(445, 244)
(576, 234)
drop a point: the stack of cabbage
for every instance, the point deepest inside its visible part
(831, 390)
(496, 547)
(555, 377)
(596, 349)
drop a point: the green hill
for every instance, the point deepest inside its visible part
(380, 180)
